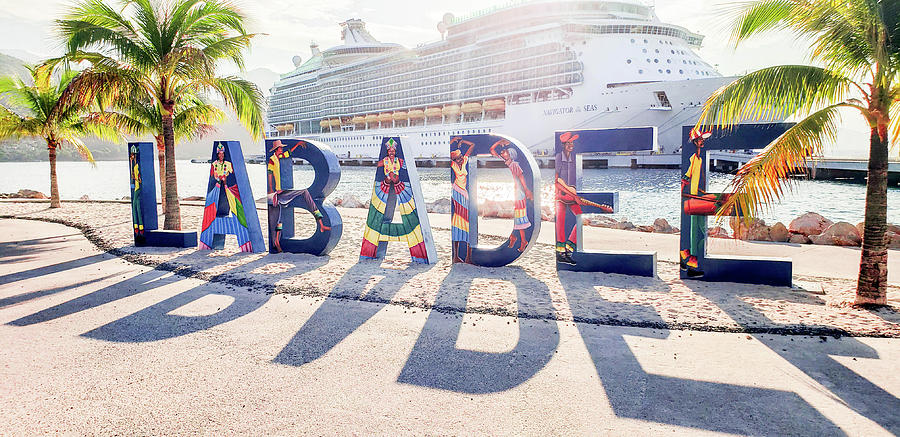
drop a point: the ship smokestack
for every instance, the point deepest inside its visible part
(314, 48)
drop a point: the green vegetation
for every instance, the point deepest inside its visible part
(857, 42)
(37, 111)
(158, 51)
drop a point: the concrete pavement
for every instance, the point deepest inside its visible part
(94, 345)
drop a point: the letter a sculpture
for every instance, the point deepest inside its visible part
(397, 184)
(227, 194)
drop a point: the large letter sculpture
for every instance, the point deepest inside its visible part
(141, 157)
(571, 202)
(697, 205)
(282, 198)
(464, 199)
(230, 208)
(396, 181)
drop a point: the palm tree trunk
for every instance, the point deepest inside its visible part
(173, 208)
(871, 288)
(161, 157)
(54, 187)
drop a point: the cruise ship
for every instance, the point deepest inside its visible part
(525, 69)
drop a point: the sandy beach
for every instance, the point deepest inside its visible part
(818, 304)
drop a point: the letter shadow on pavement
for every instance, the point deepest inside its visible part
(157, 323)
(436, 362)
(720, 407)
(338, 316)
(813, 356)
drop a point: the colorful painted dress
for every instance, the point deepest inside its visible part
(391, 166)
(377, 231)
(224, 212)
(459, 226)
(520, 214)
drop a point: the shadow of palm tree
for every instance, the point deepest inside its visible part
(815, 359)
(436, 362)
(719, 407)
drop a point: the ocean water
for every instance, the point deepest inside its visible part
(644, 194)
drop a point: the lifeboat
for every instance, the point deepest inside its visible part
(400, 115)
(495, 105)
(372, 118)
(324, 123)
(450, 110)
(385, 117)
(433, 112)
(471, 108)
(358, 120)
(335, 122)
(417, 114)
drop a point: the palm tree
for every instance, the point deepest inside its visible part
(195, 119)
(857, 45)
(156, 51)
(37, 111)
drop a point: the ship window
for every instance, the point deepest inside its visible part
(628, 61)
(640, 71)
(645, 50)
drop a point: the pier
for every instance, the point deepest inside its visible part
(836, 169)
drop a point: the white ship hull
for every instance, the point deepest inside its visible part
(534, 124)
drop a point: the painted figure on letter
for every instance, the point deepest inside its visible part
(136, 213)
(459, 199)
(567, 199)
(502, 150)
(278, 198)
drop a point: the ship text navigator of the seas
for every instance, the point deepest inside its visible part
(526, 69)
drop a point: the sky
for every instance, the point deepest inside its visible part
(286, 28)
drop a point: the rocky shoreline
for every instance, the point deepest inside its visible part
(809, 228)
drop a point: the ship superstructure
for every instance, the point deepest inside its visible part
(526, 69)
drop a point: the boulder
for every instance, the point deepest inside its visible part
(755, 230)
(717, 232)
(809, 224)
(893, 240)
(779, 232)
(489, 208)
(604, 222)
(645, 228)
(838, 234)
(799, 239)
(351, 201)
(125, 198)
(547, 214)
(625, 225)
(440, 206)
(84, 197)
(662, 226)
(31, 194)
(193, 198)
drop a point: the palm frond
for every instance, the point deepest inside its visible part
(752, 18)
(242, 96)
(763, 180)
(773, 94)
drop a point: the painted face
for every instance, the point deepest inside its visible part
(569, 146)
(699, 142)
(391, 152)
(221, 155)
(505, 154)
